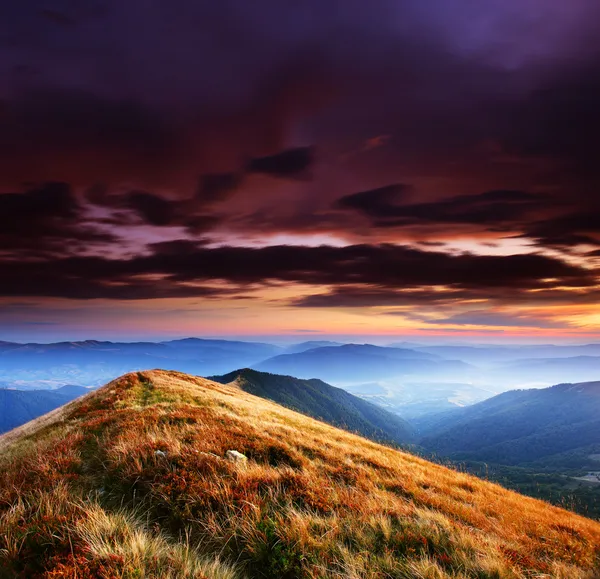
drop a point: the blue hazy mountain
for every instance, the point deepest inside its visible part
(311, 345)
(18, 407)
(361, 362)
(92, 362)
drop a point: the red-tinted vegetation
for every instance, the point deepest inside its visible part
(132, 482)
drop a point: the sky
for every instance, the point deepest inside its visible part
(325, 167)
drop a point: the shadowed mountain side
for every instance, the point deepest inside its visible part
(518, 427)
(323, 402)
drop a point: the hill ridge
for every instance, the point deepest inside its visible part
(132, 481)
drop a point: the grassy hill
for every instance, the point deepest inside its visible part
(133, 481)
(323, 402)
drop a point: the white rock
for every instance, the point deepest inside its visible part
(160, 453)
(235, 456)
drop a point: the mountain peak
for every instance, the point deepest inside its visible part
(105, 486)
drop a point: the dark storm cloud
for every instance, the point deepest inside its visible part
(290, 163)
(560, 119)
(357, 296)
(81, 136)
(568, 230)
(45, 219)
(153, 209)
(386, 265)
(146, 208)
(165, 103)
(387, 207)
(191, 212)
(217, 187)
(553, 221)
(227, 85)
(77, 287)
(377, 202)
(52, 201)
(361, 296)
(234, 81)
(57, 17)
(182, 268)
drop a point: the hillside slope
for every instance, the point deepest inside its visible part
(132, 481)
(519, 427)
(323, 402)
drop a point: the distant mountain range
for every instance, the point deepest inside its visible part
(482, 354)
(576, 368)
(524, 365)
(323, 402)
(361, 362)
(91, 363)
(18, 407)
(311, 345)
(411, 380)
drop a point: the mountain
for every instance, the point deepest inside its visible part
(5, 346)
(360, 363)
(323, 402)
(518, 427)
(18, 407)
(223, 349)
(495, 353)
(137, 480)
(552, 370)
(410, 382)
(524, 366)
(91, 362)
(311, 345)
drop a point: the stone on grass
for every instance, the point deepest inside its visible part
(235, 456)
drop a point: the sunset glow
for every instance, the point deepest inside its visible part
(418, 171)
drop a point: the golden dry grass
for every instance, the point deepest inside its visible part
(131, 481)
